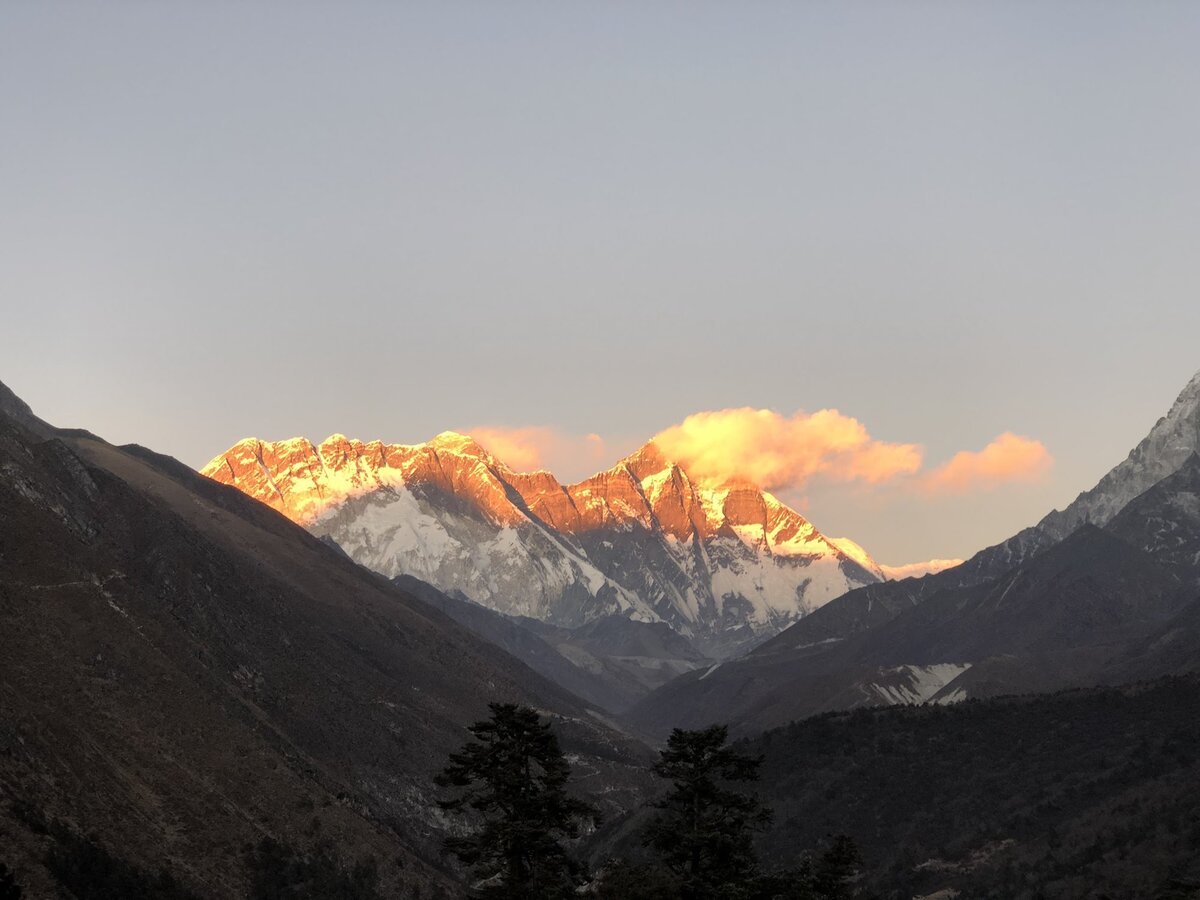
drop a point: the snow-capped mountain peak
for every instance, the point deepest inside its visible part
(857, 553)
(723, 564)
(1174, 438)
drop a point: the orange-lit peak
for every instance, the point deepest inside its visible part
(646, 488)
(454, 440)
(647, 460)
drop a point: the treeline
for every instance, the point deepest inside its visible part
(1080, 794)
(516, 820)
(517, 829)
(1042, 796)
(1083, 794)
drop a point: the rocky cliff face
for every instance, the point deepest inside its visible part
(725, 566)
(1173, 439)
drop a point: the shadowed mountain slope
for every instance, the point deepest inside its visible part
(1062, 619)
(185, 671)
(552, 652)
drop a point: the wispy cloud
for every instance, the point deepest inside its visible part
(777, 453)
(534, 447)
(1007, 459)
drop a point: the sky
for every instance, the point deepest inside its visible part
(967, 228)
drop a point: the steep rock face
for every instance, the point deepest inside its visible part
(547, 500)
(1174, 438)
(1165, 521)
(725, 566)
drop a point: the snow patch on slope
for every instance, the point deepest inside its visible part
(856, 552)
(913, 685)
(919, 569)
(519, 571)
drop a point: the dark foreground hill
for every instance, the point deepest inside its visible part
(185, 673)
(1083, 794)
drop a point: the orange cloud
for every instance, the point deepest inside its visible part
(534, 447)
(1009, 458)
(773, 451)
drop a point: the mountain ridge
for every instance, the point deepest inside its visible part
(724, 565)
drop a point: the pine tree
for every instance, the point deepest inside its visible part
(280, 871)
(622, 880)
(513, 778)
(838, 870)
(705, 829)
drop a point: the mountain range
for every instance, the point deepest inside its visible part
(725, 566)
(187, 672)
(771, 612)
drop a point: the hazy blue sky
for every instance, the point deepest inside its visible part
(948, 220)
